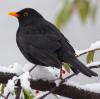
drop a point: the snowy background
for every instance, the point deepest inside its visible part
(80, 35)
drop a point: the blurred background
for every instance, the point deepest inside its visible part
(79, 21)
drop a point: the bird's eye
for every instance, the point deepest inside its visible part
(25, 14)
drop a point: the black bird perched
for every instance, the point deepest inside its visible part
(43, 44)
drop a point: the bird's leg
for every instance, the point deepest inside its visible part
(61, 73)
(32, 68)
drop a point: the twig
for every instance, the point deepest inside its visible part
(92, 67)
(7, 95)
(85, 52)
(18, 92)
(72, 75)
(55, 96)
(32, 68)
(64, 80)
(2, 96)
(52, 90)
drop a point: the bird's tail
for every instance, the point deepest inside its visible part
(82, 68)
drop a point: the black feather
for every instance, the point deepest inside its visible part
(82, 68)
(42, 43)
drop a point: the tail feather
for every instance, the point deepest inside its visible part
(82, 68)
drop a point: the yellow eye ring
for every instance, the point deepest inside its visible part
(25, 14)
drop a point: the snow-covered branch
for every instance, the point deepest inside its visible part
(67, 89)
(73, 91)
(94, 47)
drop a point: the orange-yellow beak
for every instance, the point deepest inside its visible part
(13, 14)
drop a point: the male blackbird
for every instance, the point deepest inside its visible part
(43, 44)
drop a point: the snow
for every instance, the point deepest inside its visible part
(27, 67)
(93, 46)
(78, 52)
(5, 69)
(57, 82)
(10, 85)
(41, 72)
(72, 83)
(15, 68)
(24, 79)
(54, 71)
(94, 64)
(94, 87)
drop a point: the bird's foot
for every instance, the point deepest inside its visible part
(61, 74)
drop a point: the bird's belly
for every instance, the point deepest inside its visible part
(28, 56)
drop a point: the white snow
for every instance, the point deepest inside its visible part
(41, 72)
(24, 79)
(57, 82)
(15, 68)
(25, 83)
(93, 87)
(78, 52)
(27, 67)
(6, 69)
(72, 83)
(10, 85)
(93, 64)
(93, 46)
(54, 70)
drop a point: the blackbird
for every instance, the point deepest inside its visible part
(42, 43)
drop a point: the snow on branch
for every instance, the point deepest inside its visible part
(43, 80)
(68, 89)
(94, 47)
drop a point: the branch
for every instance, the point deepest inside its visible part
(72, 75)
(64, 80)
(2, 96)
(65, 90)
(18, 92)
(86, 51)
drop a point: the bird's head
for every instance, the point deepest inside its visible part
(26, 15)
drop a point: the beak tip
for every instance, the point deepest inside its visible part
(9, 13)
(13, 14)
